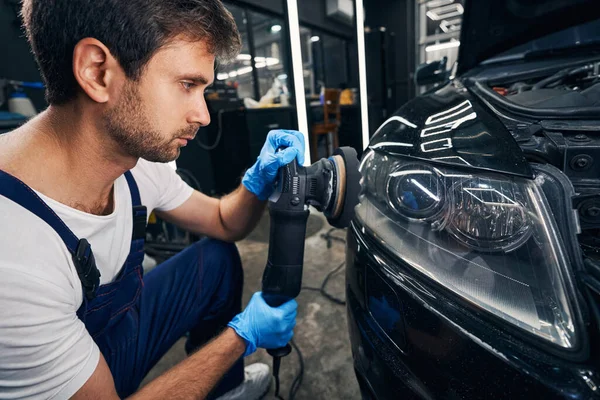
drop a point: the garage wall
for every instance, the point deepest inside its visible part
(314, 12)
(21, 65)
(397, 17)
(274, 6)
(310, 12)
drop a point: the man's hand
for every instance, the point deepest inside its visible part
(261, 325)
(234, 216)
(260, 177)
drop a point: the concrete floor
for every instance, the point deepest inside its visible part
(321, 332)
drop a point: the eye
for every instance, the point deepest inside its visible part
(188, 85)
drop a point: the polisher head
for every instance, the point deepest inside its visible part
(345, 187)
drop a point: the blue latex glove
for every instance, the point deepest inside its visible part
(260, 177)
(261, 325)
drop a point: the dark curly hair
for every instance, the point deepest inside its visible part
(133, 30)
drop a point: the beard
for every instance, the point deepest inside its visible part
(127, 124)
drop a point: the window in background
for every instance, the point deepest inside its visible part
(438, 30)
(312, 61)
(239, 73)
(307, 61)
(324, 59)
(269, 51)
(334, 61)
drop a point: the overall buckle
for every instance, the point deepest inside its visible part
(139, 222)
(85, 263)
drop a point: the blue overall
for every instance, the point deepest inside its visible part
(135, 320)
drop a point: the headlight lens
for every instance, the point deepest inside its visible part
(488, 238)
(415, 191)
(489, 214)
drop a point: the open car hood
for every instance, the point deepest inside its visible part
(491, 27)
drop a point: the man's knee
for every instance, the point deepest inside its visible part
(216, 253)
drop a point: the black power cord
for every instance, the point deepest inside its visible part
(324, 284)
(330, 238)
(298, 380)
(276, 362)
(213, 146)
(300, 376)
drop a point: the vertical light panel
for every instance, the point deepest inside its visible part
(362, 72)
(292, 13)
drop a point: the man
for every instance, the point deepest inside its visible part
(124, 81)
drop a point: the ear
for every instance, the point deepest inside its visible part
(96, 70)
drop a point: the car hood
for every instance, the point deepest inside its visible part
(492, 27)
(451, 126)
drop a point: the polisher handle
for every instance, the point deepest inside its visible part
(282, 278)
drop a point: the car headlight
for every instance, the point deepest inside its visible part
(487, 237)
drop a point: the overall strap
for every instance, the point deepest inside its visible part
(139, 211)
(83, 258)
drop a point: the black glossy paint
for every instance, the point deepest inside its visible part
(446, 351)
(412, 338)
(491, 27)
(450, 126)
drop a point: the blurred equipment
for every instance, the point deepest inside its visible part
(277, 95)
(381, 48)
(18, 102)
(347, 97)
(341, 10)
(432, 72)
(331, 124)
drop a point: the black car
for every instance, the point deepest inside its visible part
(473, 261)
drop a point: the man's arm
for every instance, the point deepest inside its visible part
(259, 325)
(230, 218)
(236, 215)
(210, 363)
(193, 378)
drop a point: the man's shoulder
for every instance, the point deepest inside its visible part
(28, 245)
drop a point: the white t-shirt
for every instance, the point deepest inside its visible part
(45, 350)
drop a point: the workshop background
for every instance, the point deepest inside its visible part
(255, 94)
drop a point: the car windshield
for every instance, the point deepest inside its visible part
(576, 36)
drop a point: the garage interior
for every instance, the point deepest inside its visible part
(375, 57)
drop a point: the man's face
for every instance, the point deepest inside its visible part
(156, 115)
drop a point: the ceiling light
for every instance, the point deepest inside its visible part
(315, 39)
(244, 70)
(451, 25)
(244, 57)
(445, 12)
(438, 3)
(222, 76)
(442, 46)
(275, 28)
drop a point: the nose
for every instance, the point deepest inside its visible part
(199, 113)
